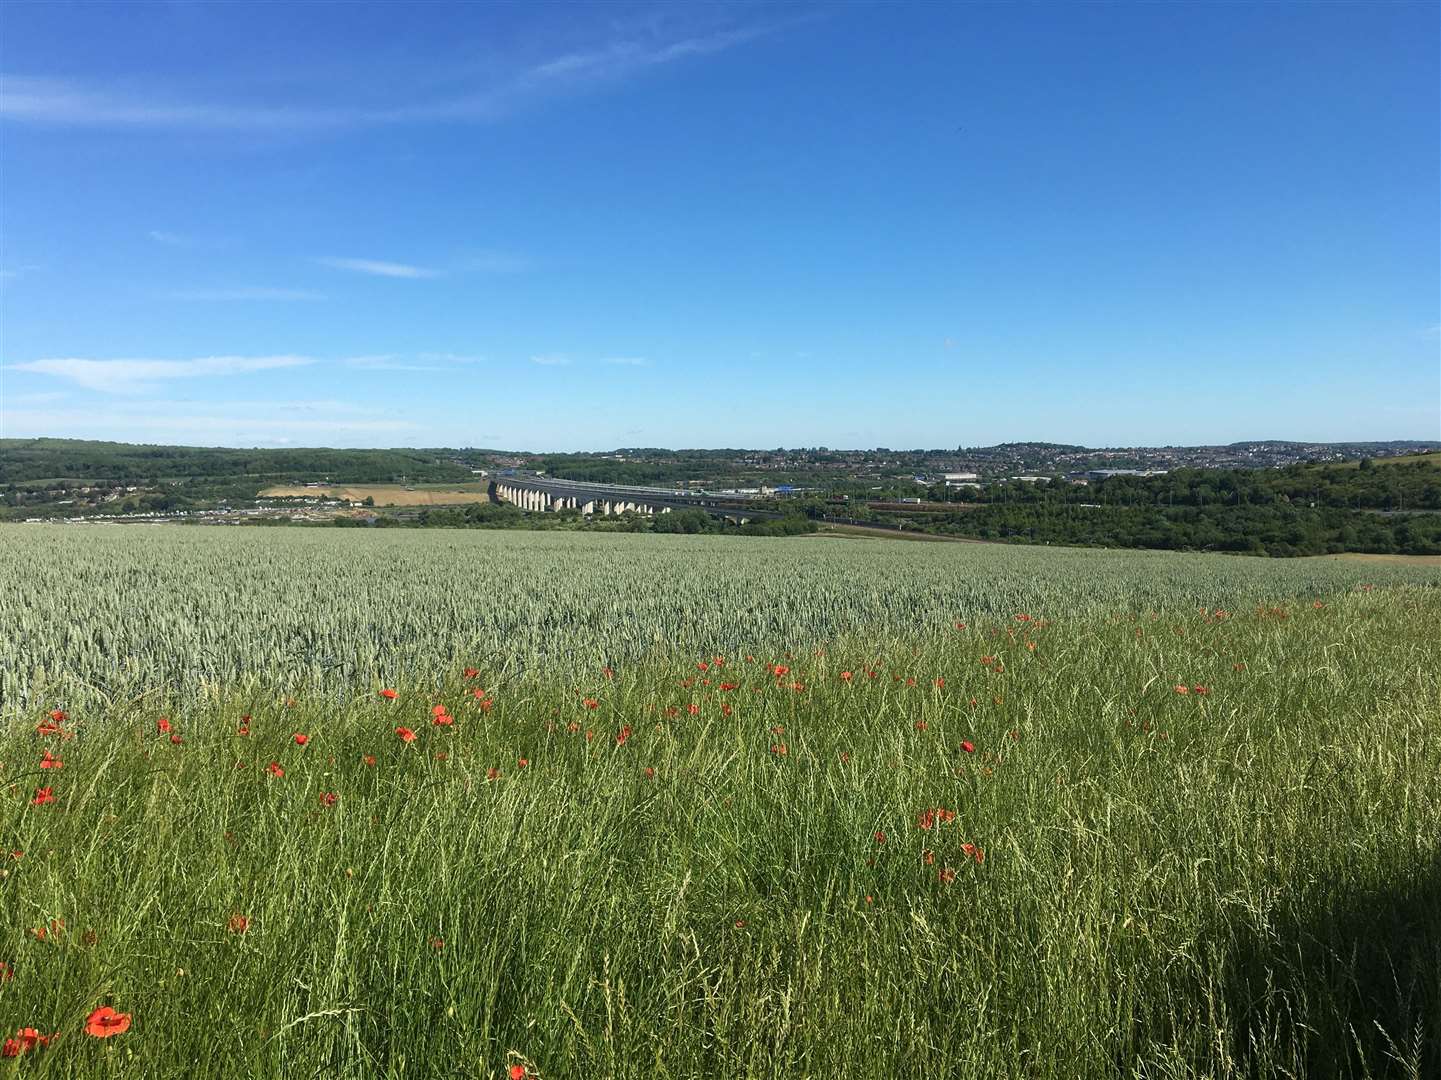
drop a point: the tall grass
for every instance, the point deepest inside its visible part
(1242, 880)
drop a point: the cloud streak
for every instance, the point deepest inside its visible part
(130, 376)
(550, 360)
(244, 293)
(378, 268)
(58, 102)
(627, 361)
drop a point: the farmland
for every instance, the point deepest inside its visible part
(683, 806)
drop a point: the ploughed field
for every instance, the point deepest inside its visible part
(415, 804)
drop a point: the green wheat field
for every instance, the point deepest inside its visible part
(454, 804)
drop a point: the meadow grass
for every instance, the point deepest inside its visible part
(747, 870)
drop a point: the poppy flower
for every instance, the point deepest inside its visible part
(701, 665)
(301, 740)
(105, 1022)
(57, 715)
(649, 773)
(238, 924)
(880, 837)
(10, 1049)
(492, 774)
(176, 740)
(328, 798)
(928, 857)
(389, 695)
(622, 735)
(369, 759)
(780, 749)
(437, 943)
(847, 676)
(590, 703)
(780, 669)
(162, 726)
(438, 710)
(694, 710)
(523, 763)
(243, 729)
(274, 769)
(50, 762)
(947, 876)
(471, 672)
(444, 720)
(1182, 689)
(921, 725)
(48, 728)
(940, 684)
(517, 1072)
(42, 796)
(968, 747)
(406, 735)
(925, 819)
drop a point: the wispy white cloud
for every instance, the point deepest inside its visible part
(62, 102)
(550, 360)
(131, 376)
(627, 361)
(378, 268)
(170, 239)
(245, 293)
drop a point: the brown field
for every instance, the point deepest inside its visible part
(385, 494)
(1390, 560)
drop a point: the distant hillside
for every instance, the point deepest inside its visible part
(30, 461)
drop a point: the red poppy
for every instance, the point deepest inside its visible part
(238, 924)
(780, 749)
(523, 763)
(940, 684)
(48, 728)
(928, 857)
(702, 665)
(243, 729)
(726, 710)
(274, 769)
(301, 740)
(105, 1022)
(444, 720)
(517, 1072)
(10, 1049)
(437, 943)
(925, 819)
(609, 673)
(780, 669)
(162, 726)
(649, 773)
(369, 759)
(728, 686)
(694, 710)
(622, 735)
(406, 735)
(880, 837)
(176, 740)
(968, 747)
(492, 774)
(389, 695)
(328, 798)
(921, 725)
(471, 672)
(57, 715)
(438, 710)
(1183, 689)
(947, 876)
(846, 676)
(42, 796)
(590, 703)
(47, 761)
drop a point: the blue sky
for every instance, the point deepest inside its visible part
(561, 227)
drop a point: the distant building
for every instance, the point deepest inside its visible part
(1106, 474)
(961, 479)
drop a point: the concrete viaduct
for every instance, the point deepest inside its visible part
(539, 493)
